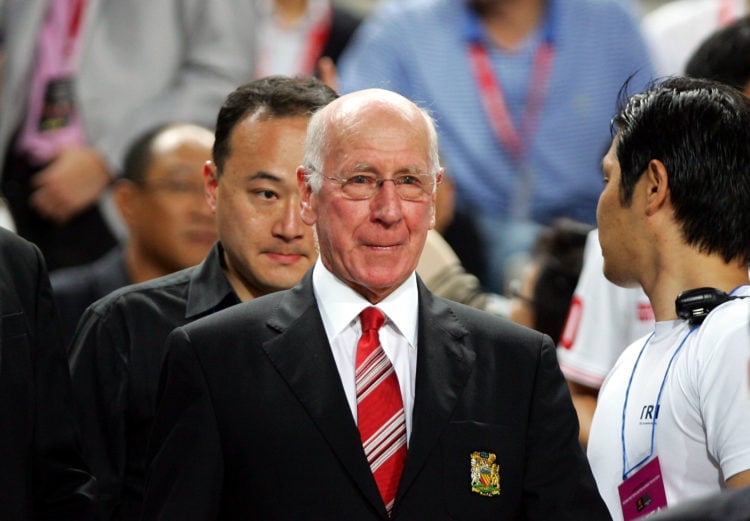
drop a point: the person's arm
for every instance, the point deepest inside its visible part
(63, 489)
(739, 480)
(558, 483)
(98, 367)
(185, 475)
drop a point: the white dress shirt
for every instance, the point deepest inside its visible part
(340, 307)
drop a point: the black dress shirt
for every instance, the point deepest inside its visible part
(78, 287)
(115, 360)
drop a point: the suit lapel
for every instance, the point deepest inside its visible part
(444, 362)
(302, 356)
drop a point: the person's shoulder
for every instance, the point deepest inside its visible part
(13, 244)
(485, 325)
(237, 320)
(172, 287)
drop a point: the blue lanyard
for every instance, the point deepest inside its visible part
(625, 470)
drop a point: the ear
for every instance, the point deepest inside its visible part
(125, 197)
(438, 181)
(308, 204)
(211, 183)
(657, 186)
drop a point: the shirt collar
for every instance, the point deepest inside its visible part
(339, 304)
(209, 288)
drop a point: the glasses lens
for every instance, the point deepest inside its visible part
(410, 187)
(360, 186)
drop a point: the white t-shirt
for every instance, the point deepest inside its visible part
(603, 319)
(702, 435)
(675, 30)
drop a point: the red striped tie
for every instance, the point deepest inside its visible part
(380, 410)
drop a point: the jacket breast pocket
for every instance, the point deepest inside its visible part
(482, 470)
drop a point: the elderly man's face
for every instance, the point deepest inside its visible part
(374, 244)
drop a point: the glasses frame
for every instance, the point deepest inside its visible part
(379, 181)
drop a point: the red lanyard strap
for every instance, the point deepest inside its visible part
(516, 141)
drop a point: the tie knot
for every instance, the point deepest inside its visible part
(371, 318)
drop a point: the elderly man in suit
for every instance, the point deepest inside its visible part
(42, 475)
(273, 409)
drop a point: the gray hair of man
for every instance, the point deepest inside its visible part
(317, 143)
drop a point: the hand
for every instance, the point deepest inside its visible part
(72, 182)
(328, 73)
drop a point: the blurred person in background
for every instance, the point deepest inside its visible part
(170, 227)
(302, 37)
(81, 80)
(675, 29)
(540, 298)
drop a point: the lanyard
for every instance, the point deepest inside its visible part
(625, 470)
(74, 25)
(515, 140)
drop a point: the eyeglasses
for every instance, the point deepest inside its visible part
(409, 186)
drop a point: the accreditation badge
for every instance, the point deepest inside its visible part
(485, 474)
(643, 492)
(58, 106)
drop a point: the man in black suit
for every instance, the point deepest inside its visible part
(42, 475)
(264, 407)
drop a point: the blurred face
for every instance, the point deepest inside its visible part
(266, 245)
(616, 225)
(373, 245)
(170, 224)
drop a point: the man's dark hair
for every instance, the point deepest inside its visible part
(140, 155)
(724, 56)
(558, 255)
(269, 97)
(700, 130)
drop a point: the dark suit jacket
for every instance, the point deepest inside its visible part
(42, 475)
(729, 505)
(253, 422)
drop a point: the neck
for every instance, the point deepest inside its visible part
(289, 12)
(510, 22)
(241, 289)
(680, 274)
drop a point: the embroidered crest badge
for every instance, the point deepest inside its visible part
(485, 473)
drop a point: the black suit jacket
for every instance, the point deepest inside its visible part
(42, 475)
(728, 505)
(253, 422)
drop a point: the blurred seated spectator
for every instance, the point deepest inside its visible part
(162, 202)
(541, 297)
